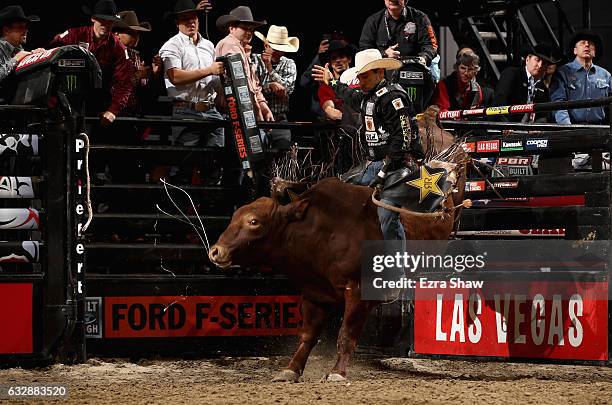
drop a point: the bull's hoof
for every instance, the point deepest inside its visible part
(335, 377)
(286, 376)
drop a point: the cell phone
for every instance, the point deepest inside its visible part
(326, 37)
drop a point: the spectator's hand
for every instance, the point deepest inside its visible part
(217, 68)
(266, 56)
(107, 118)
(156, 65)
(278, 89)
(323, 46)
(247, 49)
(22, 54)
(321, 73)
(392, 52)
(267, 113)
(333, 114)
(204, 5)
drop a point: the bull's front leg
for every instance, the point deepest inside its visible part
(356, 314)
(313, 316)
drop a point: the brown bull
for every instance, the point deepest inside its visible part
(316, 241)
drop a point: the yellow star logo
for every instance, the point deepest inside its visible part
(333, 82)
(427, 183)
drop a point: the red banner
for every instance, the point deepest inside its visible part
(16, 318)
(180, 316)
(554, 320)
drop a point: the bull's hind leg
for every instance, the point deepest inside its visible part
(356, 313)
(313, 316)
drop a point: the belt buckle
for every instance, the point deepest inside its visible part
(201, 106)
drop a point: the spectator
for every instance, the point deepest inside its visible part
(13, 36)
(338, 58)
(189, 67)
(399, 31)
(277, 74)
(111, 55)
(306, 80)
(239, 26)
(521, 85)
(582, 79)
(143, 76)
(460, 90)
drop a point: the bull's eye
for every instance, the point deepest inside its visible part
(253, 222)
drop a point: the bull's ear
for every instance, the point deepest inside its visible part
(296, 210)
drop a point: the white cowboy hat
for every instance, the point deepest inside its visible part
(278, 38)
(369, 59)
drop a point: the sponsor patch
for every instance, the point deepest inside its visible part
(469, 147)
(370, 108)
(475, 186)
(474, 111)
(536, 144)
(410, 28)
(371, 136)
(450, 114)
(382, 91)
(369, 122)
(522, 108)
(515, 160)
(511, 145)
(497, 110)
(487, 146)
(506, 184)
(397, 103)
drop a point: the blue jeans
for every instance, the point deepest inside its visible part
(190, 136)
(390, 224)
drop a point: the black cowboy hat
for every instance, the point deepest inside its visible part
(104, 10)
(241, 14)
(182, 7)
(542, 50)
(130, 19)
(589, 36)
(338, 46)
(15, 13)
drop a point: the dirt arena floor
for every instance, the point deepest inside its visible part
(372, 381)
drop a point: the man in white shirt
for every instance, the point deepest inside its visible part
(189, 70)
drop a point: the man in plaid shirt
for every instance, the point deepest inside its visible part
(277, 75)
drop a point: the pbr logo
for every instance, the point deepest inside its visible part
(511, 145)
(536, 144)
(487, 146)
(514, 160)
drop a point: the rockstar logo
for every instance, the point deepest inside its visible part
(427, 183)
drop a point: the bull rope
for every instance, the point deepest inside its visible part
(467, 203)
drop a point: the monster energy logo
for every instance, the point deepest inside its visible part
(71, 83)
(412, 93)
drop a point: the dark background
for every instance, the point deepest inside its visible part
(308, 20)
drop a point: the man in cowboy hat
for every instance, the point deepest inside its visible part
(13, 35)
(277, 74)
(339, 56)
(190, 73)
(386, 127)
(239, 26)
(143, 74)
(112, 57)
(525, 84)
(582, 79)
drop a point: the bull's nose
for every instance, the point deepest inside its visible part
(218, 255)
